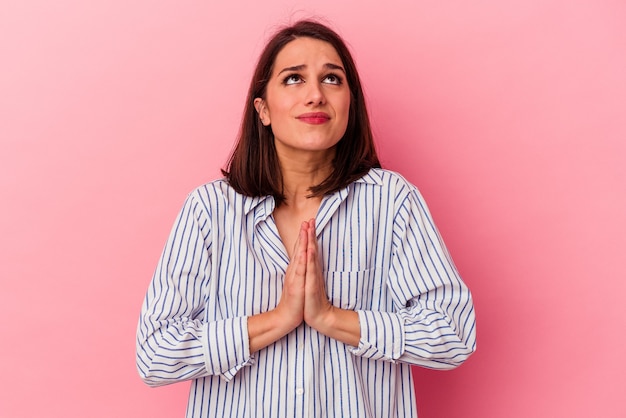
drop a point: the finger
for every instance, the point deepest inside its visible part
(298, 256)
(312, 249)
(297, 262)
(311, 236)
(301, 241)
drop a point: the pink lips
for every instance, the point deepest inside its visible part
(314, 118)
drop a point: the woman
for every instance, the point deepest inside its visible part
(308, 280)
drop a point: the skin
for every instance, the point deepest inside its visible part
(308, 78)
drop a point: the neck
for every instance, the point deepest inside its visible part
(300, 174)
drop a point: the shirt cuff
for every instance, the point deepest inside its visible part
(226, 347)
(382, 336)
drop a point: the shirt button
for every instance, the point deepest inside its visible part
(299, 391)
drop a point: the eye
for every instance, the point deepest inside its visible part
(292, 79)
(332, 79)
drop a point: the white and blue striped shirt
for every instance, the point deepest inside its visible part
(225, 261)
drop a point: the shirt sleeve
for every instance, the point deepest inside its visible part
(433, 324)
(174, 342)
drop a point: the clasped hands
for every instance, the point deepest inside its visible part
(304, 292)
(304, 299)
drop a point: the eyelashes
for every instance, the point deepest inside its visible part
(292, 79)
(295, 78)
(335, 79)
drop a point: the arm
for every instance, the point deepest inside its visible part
(433, 324)
(173, 341)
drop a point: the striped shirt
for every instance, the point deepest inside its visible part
(224, 261)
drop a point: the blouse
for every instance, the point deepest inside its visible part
(224, 261)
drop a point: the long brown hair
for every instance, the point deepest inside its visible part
(254, 169)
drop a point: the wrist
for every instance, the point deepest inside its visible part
(325, 321)
(339, 324)
(284, 320)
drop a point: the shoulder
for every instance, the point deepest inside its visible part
(398, 192)
(389, 181)
(215, 195)
(211, 190)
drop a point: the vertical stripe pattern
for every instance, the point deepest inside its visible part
(224, 261)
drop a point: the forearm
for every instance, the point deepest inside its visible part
(339, 324)
(417, 336)
(170, 353)
(268, 327)
(439, 339)
(183, 350)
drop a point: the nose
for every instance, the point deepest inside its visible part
(315, 95)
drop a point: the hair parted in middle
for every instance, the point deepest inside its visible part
(254, 169)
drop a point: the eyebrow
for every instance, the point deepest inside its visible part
(301, 67)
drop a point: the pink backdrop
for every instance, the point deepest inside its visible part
(510, 117)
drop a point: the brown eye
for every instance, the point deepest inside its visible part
(332, 79)
(292, 79)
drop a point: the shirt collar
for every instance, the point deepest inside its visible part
(371, 177)
(252, 202)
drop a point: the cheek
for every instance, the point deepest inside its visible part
(345, 101)
(344, 108)
(278, 109)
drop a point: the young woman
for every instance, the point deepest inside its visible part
(308, 280)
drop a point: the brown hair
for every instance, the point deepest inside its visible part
(254, 169)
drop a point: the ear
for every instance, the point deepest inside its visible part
(261, 109)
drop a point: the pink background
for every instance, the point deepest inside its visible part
(510, 117)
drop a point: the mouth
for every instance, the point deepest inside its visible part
(314, 118)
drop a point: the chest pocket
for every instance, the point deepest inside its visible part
(354, 290)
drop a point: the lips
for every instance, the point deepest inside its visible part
(314, 118)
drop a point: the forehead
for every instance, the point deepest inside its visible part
(306, 51)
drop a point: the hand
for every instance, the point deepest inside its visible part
(290, 308)
(304, 299)
(317, 308)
